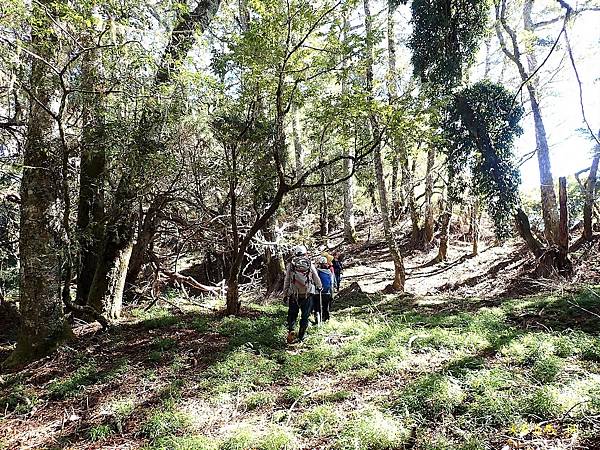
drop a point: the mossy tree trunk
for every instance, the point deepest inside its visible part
(475, 219)
(90, 208)
(444, 232)
(43, 323)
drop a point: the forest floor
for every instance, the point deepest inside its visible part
(464, 362)
(384, 373)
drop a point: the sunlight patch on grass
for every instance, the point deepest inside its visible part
(431, 396)
(320, 420)
(184, 443)
(247, 437)
(266, 332)
(255, 400)
(240, 371)
(306, 362)
(371, 429)
(87, 374)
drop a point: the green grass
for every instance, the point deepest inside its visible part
(87, 374)
(100, 433)
(387, 375)
(155, 318)
(241, 370)
(19, 399)
(276, 437)
(164, 422)
(373, 430)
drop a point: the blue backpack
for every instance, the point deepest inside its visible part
(326, 281)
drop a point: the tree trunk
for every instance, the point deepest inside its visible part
(407, 182)
(349, 227)
(90, 210)
(392, 95)
(324, 210)
(274, 264)
(348, 166)
(106, 292)
(428, 225)
(396, 201)
(399, 272)
(139, 252)
(475, 218)
(371, 188)
(43, 324)
(563, 229)
(444, 233)
(588, 207)
(299, 157)
(233, 299)
(548, 195)
(524, 229)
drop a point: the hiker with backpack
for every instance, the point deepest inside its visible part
(323, 299)
(300, 285)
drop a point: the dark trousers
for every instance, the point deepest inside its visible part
(338, 280)
(325, 301)
(296, 304)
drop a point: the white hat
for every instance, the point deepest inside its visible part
(299, 250)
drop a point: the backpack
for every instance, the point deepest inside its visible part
(326, 281)
(301, 274)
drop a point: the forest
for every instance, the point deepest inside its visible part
(299, 224)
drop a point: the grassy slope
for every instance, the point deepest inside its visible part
(385, 373)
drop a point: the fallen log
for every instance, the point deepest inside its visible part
(189, 281)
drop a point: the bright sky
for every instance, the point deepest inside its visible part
(570, 151)
(561, 110)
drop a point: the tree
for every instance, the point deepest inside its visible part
(399, 272)
(90, 208)
(480, 126)
(40, 240)
(106, 291)
(548, 194)
(283, 66)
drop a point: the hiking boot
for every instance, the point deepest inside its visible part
(301, 334)
(291, 337)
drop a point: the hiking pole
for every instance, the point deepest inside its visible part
(320, 308)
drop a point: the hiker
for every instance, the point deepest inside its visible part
(329, 257)
(322, 300)
(300, 285)
(338, 266)
(326, 254)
